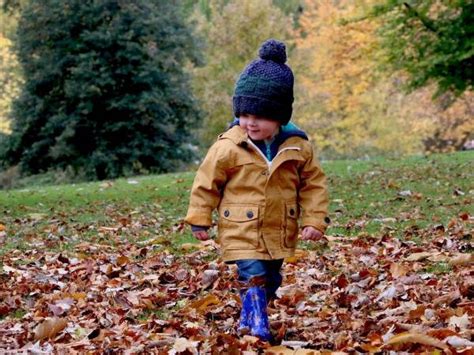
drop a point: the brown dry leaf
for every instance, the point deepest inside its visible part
(398, 270)
(418, 338)
(205, 302)
(420, 256)
(50, 328)
(283, 350)
(279, 350)
(122, 260)
(299, 255)
(417, 313)
(78, 295)
(370, 348)
(462, 259)
(393, 185)
(183, 344)
(2, 227)
(208, 277)
(448, 298)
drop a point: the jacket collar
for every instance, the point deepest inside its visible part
(236, 135)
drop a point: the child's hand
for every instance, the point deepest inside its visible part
(311, 233)
(201, 235)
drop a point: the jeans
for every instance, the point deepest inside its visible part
(268, 269)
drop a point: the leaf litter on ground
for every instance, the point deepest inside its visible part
(371, 294)
(108, 274)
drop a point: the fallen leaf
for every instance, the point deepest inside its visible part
(122, 260)
(398, 270)
(37, 216)
(389, 293)
(462, 322)
(299, 255)
(279, 350)
(183, 344)
(419, 256)
(462, 259)
(418, 338)
(458, 342)
(205, 302)
(370, 348)
(208, 277)
(49, 328)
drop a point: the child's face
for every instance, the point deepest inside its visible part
(258, 127)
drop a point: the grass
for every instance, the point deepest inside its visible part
(368, 197)
(391, 196)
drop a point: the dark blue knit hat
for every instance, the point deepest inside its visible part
(265, 87)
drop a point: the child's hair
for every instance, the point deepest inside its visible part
(265, 86)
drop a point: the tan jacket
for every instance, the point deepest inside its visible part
(258, 201)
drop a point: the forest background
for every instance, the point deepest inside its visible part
(94, 90)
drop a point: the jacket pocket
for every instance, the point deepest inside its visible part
(291, 225)
(238, 227)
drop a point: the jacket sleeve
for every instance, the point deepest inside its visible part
(313, 195)
(206, 190)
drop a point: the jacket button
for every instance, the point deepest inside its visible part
(249, 214)
(292, 212)
(327, 220)
(226, 213)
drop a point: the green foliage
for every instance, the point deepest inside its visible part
(106, 94)
(233, 37)
(432, 40)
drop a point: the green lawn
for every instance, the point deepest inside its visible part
(368, 197)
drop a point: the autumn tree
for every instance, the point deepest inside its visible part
(431, 40)
(233, 31)
(338, 96)
(10, 74)
(351, 104)
(432, 44)
(105, 93)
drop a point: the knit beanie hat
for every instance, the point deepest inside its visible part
(265, 87)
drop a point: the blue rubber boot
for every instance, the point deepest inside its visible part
(243, 327)
(255, 306)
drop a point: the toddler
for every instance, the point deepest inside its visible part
(262, 176)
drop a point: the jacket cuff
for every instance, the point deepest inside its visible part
(199, 217)
(318, 223)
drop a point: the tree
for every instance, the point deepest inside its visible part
(10, 75)
(350, 106)
(105, 94)
(234, 32)
(432, 40)
(338, 97)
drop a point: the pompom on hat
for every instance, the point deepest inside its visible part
(265, 86)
